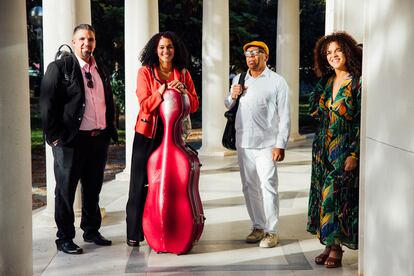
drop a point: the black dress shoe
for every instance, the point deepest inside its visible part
(133, 243)
(69, 247)
(98, 239)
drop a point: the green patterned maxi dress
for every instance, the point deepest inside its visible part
(333, 198)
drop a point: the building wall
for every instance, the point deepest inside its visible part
(388, 138)
(345, 15)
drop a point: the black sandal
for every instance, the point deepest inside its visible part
(133, 243)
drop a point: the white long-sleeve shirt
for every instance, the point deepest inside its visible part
(263, 116)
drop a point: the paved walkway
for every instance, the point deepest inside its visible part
(221, 250)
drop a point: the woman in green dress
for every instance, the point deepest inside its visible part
(335, 104)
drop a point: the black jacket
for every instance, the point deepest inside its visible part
(62, 100)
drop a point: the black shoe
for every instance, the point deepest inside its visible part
(98, 239)
(133, 243)
(69, 247)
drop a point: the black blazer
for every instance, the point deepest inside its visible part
(62, 100)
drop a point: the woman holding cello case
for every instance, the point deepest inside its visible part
(164, 59)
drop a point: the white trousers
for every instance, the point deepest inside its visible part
(260, 187)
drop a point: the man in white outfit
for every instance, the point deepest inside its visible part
(262, 132)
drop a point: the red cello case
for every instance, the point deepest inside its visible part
(173, 215)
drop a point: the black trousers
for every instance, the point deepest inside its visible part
(141, 151)
(84, 159)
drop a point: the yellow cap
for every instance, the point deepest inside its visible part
(260, 44)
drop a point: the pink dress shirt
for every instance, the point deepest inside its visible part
(94, 116)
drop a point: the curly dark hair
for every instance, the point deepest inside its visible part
(350, 48)
(149, 55)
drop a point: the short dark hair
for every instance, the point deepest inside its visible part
(350, 48)
(149, 55)
(84, 27)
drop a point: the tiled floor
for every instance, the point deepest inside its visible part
(221, 250)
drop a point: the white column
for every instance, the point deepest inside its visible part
(141, 23)
(348, 15)
(362, 167)
(287, 57)
(388, 139)
(345, 15)
(333, 10)
(59, 20)
(215, 83)
(15, 157)
(83, 12)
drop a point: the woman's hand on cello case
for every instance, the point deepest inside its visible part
(178, 86)
(162, 88)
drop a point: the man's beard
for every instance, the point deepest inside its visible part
(87, 54)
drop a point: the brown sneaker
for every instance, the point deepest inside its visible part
(255, 236)
(269, 240)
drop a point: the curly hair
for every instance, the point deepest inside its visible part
(350, 48)
(149, 56)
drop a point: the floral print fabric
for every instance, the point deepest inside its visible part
(334, 192)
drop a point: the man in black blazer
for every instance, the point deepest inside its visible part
(78, 121)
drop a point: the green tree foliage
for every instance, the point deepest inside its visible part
(251, 20)
(184, 18)
(118, 90)
(248, 20)
(108, 20)
(33, 45)
(312, 26)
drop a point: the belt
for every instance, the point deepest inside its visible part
(93, 132)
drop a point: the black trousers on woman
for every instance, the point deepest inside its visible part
(141, 151)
